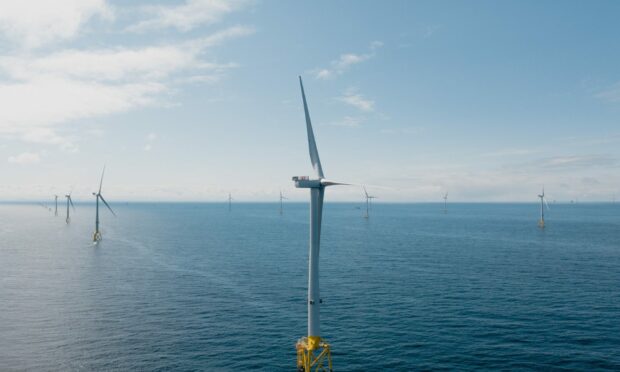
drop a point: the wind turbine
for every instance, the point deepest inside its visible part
(97, 195)
(69, 201)
(229, 202)
(56, 205)
(445, 203)
(368, 201)
(282, 197)
(543, 200)
(307, 346)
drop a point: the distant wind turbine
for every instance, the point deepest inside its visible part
(543, 204)
(445, 203)
(230, 199)
(368, 201)
(56, 205)
(97, 195)
(307, 346)
(282, 197)
(69, 201)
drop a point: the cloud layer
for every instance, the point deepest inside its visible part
(44, 91)
(187, 16)
(33, 23)
(25, 158)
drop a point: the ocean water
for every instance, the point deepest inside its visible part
(195, 287)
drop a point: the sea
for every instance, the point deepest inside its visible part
(196, 287)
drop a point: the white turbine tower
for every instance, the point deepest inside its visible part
(69, 201)
(97, 195)
(282, 197)
(543, 204)
(56, 205)
(445, 203)
(307, 346)
(368, 201)
(230, 199)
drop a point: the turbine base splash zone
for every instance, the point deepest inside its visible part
(313, 354)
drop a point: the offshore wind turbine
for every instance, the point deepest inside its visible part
(313, 342)
(69, 201)
(229, 202)
(543, 200)
(56, 205)
(445, 203)
(282, 197)
(97, 195)
(368, 201)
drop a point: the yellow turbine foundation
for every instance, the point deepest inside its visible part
(313, 354)
(541, 224)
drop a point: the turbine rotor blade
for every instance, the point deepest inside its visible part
(71, 202)
(546, 205)
(101, 182)
(314, 153)
(365, 192)
(106, 204)
(334, 183)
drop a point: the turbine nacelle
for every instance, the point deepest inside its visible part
(305, 182)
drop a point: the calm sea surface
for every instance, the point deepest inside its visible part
(194, 287)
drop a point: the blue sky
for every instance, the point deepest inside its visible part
(190, 100)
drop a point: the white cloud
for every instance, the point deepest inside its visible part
(345, 61)
(349, 59)
(40, 93)
(33, 23)
(47, 136)
(349, 121)
(115, 64)
(511, 152)
(430, 30)
(376, 44)
(473, 182)
(219, 37)
(324, 74)
(611, 94)
(150, 138)
(31, 108)
(107, 64)
(357, 100)
(25, 158)
(577, 162)
(187, 16)
(43, 91)
(404, 130)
